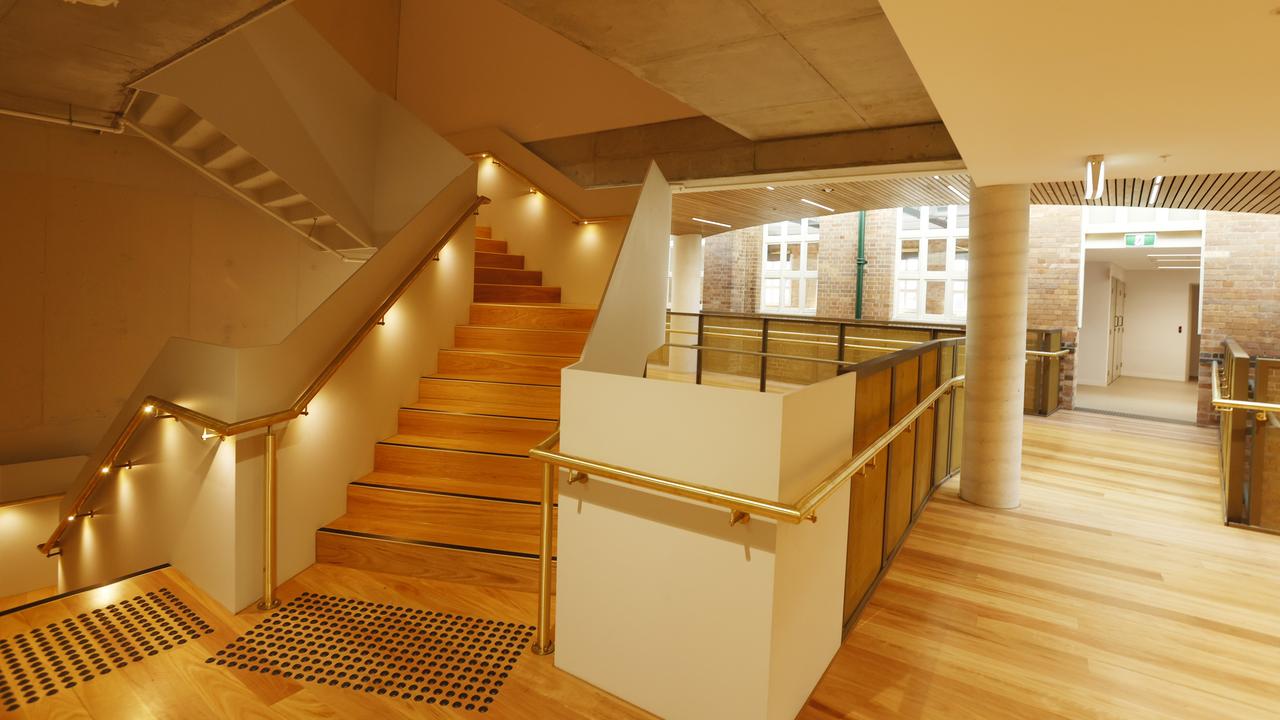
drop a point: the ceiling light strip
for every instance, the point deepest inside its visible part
(817, 204)
(711, 222)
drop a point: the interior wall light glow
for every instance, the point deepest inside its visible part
(711, 222)
(818, 205)
(1095, 177)
(1155, 189)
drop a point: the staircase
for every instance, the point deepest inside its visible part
(453, 494)
(178, 130)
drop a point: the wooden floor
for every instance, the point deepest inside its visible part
(1114, 591)
(179, 684)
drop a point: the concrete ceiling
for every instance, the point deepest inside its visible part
(764, 68)
(55, 54)
(479, 64)
(1160, 87)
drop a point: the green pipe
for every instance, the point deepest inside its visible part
(862, 262)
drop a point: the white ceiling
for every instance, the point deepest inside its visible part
(1138, 258)
(1161, 87)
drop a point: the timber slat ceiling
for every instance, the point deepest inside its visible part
(1247, 192)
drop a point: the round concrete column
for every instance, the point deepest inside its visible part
(995, 355)
(686, 296)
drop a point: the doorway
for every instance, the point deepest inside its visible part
(1139, 345)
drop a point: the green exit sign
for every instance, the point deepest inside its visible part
(1139, 239)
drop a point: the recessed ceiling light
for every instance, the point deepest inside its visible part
(824, 207)
(1095, 177)
(1155, 189)
(768, 187)
(711, 222)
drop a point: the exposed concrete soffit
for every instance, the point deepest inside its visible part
(700, 148)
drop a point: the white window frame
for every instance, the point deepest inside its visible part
(808, 237)
(954, 276)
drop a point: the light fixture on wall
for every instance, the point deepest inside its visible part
(1095, 177)
(105, 469)
(711, 222)
(816, 204)
(77, 516)
(1155, 189)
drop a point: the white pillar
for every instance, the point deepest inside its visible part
(686, 296)
(991, 460)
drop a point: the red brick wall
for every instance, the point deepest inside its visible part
(1240, 295)
(731, 271)
(1053, 281)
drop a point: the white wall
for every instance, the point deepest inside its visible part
(111, 248)
(1156, 306)
(1091, 354)
(718, 621)
(22, 527)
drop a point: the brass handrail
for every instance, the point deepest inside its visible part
(1229, 404)
(152, 406)
(741, 506)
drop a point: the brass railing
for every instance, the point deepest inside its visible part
(830, 344)
(740, 506)
(153, 407)
(1247, 427)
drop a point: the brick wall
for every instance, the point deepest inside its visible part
(1053, 281)
(731, 271)
(1240, 296)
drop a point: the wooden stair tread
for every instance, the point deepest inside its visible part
(478, 445)
(470, 538)
(568, 343)
(485, 407)
(532, 492)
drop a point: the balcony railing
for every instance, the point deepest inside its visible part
(779, 353)
(1246, 394)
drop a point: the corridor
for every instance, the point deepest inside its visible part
(1114, 591)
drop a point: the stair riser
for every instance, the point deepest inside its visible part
(459, 512)
(431, 563)
(505, 435)
(503, 276)
(516, 294)
(551, 342)
(483, 232)
(541, 318)
(520, 400)
(499, 260)
(491, 246)
(502, 368)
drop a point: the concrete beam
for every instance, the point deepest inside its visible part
(697, 148)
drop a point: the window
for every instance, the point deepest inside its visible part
(931, 275)
(789, 267)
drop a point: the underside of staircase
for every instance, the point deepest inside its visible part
(454, 495)
(195, 141)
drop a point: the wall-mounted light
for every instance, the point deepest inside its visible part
(484, 155)
(306, 410)
(77, 516)
(383, 320)
(104, 469)
(149, 409)
(1155, 190)
(1095, 177)
(207, 433)
(127, 465)
(711, 222)
(533, 191)
(818, 205)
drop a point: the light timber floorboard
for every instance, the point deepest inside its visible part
(1114, 591)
